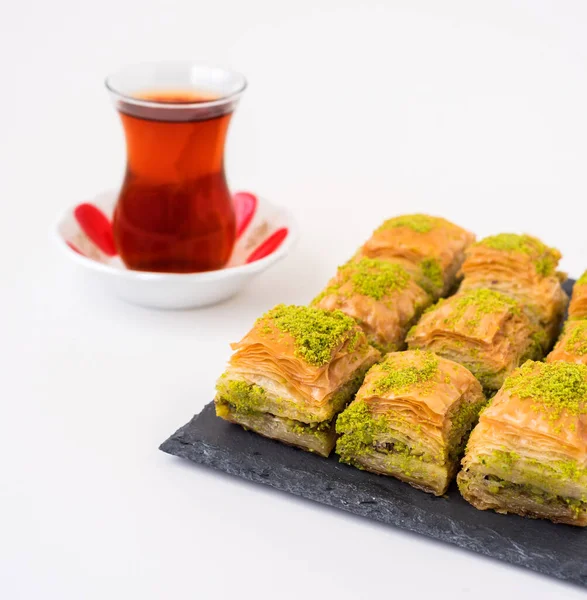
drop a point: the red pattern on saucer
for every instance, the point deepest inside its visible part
(260, 230)
(245, 205)
(269, 245)
(97, 227)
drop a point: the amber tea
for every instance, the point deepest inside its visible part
(174, 211)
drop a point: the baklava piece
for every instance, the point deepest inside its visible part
(522, 267)
(293, 373)
(431, 248)
(411, 419)
(381, 296)
(572, 345)
(528, 454)
(484, 330)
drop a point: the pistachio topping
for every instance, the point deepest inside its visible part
(583, 279)
(375, 278)
(558, 386)
(316, 332)
(395, 377)
(545, 259)
(432, 270)
(418, 222)
(484, 302)
(369, 277)
(577, 340)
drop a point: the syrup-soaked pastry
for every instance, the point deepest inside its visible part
(578, 306)
(572, 344)
(381, 296)
(484, 330)
(411, 419)
(431, 248)
(528, 454)
(294, 371)
(522, 267)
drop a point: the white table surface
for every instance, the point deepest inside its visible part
(356, 111)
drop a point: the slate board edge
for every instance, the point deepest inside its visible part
(400, 514)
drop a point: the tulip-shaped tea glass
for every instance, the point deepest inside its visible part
(174, 212)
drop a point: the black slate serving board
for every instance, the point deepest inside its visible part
(555, 550)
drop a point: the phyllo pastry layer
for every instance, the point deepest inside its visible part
(381, 296)
(524, 268)
(572, 344)
(411, 419)
(431, 248)
(528, 454)
(484, 330)
(292, 373)
(578, 306)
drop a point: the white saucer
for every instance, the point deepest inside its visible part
(265, 234)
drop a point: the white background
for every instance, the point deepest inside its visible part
(356, 111)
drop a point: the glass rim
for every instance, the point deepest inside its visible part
(220, 101)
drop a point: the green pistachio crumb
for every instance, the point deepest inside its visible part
(376, 278)
(506, 459)
(539, 474)
(484, 301)
(545, 258)
(316, 332)
(361, 428)
(418, 222)
(370, 277)
(393, 377)
(245, 397)
(557, 386)
(577, 341)
(432, 271)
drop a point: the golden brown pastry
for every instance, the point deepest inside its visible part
(528, 454)
(578, 306)
(381, 296)
(431, 248)
(411, 419)
(524, 268)
(484, 330)
(572, 344)
(292, 373)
